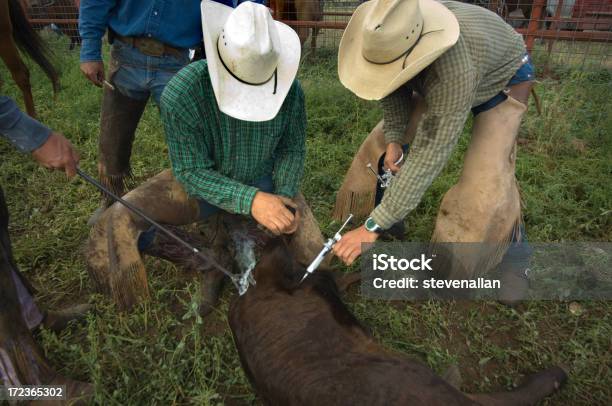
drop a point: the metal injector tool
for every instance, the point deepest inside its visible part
(327, 247)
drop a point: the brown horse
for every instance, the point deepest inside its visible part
(15, 30)
(300, 345)
(301, 10)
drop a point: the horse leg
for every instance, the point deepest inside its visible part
(12, 59)
(303, 12)
(313, 41)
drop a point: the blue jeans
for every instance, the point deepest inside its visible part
(525, 73)
(139, 76)
(207, 209)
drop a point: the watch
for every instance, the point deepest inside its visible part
(371, 226)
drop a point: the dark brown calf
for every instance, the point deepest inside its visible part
(302, 346)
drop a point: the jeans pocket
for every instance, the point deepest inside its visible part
(113, 68)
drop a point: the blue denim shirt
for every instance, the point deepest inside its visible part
(173, 22)
(23, 131)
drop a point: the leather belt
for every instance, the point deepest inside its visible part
(151, 46)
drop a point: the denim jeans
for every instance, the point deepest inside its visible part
(139, 76)
(525, 73)
(207, 209)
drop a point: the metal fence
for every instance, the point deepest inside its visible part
(576, 32)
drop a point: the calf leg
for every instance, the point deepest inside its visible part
(535, 388)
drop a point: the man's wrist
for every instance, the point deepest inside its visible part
(91, 50)
(246, 196)
(383, 217)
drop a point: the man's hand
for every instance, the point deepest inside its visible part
(94, 71)
(270, 211)
(296, 217)
(393, 154)
(349, 247)
(57, 153)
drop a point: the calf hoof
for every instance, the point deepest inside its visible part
(212, 285)
(57, 321)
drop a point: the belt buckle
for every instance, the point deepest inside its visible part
(151, 47)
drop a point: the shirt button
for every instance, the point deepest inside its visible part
(149, 35)
(155, 13)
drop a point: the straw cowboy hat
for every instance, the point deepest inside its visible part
(388, 42)
(252, 59)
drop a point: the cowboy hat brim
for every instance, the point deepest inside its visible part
(372, 81)
(238, 99)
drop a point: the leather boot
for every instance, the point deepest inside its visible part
(57, 321)
(119, 118)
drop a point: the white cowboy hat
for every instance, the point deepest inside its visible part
(388, 42)
(252, 59)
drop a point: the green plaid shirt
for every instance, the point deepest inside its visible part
(476, 68)
(215, 157)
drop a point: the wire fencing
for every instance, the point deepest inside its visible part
(577, 33)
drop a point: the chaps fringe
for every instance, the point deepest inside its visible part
(359, 204)
(118, 184)
(95, 257)
(128, 283)
(477, 264)
(129, 286)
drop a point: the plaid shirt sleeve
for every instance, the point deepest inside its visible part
(291, 151)
(396, 114)
(192, 164)
(448, 105)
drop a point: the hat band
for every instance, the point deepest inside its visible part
(274, 74)
(403, 54)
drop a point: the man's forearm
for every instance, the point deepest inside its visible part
(427, 158)
(93, 21)
(288, 173)
(218, 190)
(396, 113)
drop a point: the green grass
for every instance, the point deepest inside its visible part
(162, 353)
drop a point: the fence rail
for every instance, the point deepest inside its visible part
(564, 29)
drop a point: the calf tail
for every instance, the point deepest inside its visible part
(31, 43)
(535, 388)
